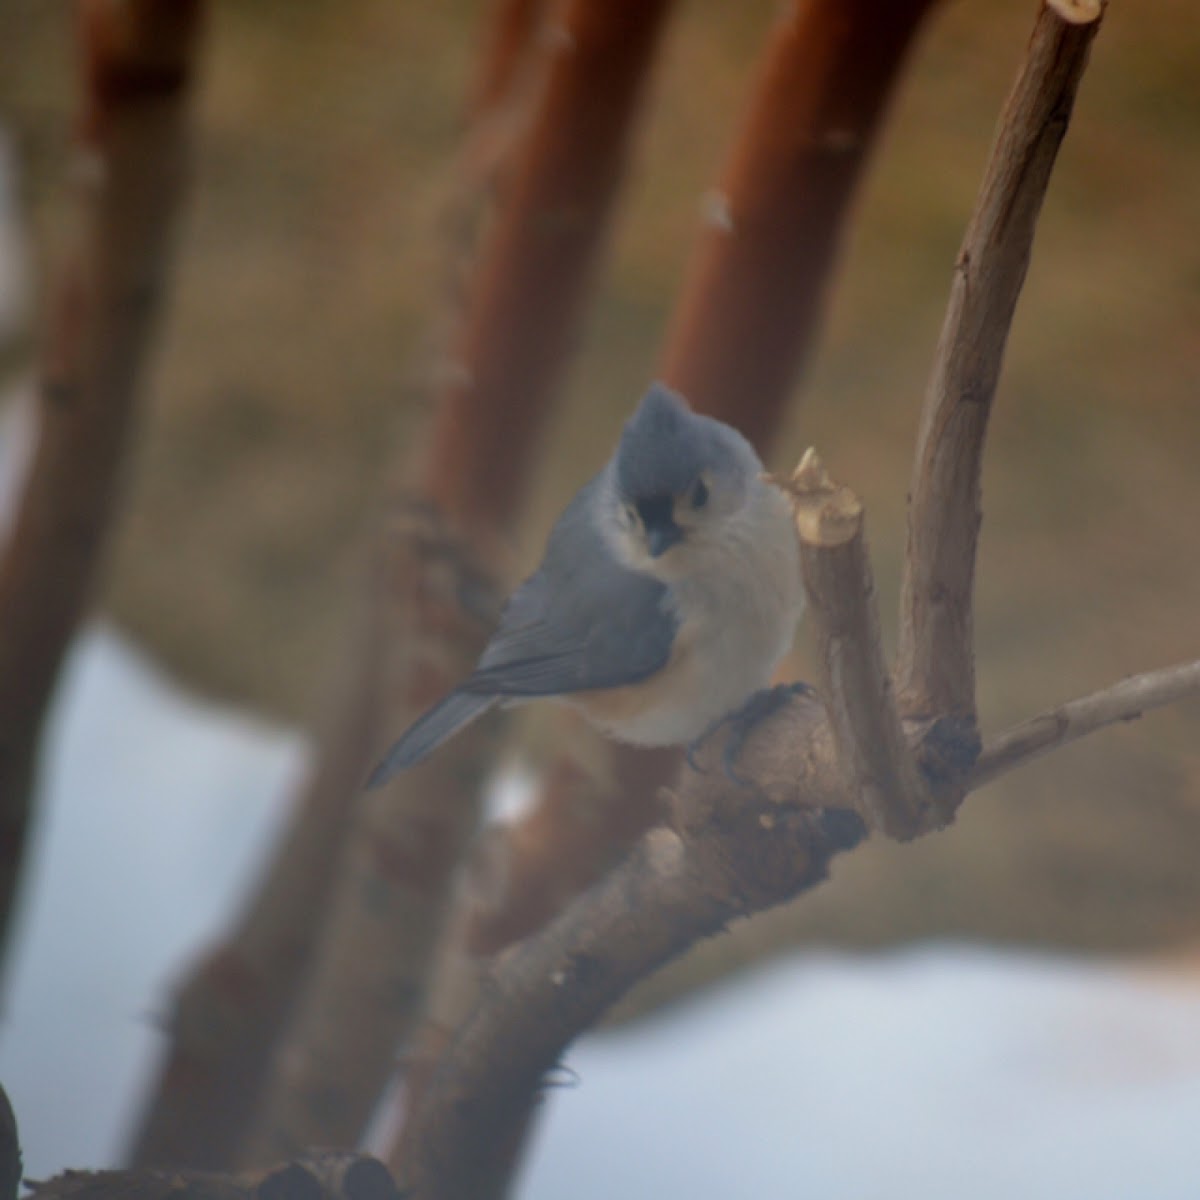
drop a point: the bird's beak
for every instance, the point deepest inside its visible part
(660, 538)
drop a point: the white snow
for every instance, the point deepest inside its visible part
(937, 1072)
(154, 813)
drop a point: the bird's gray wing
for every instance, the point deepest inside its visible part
(581, 621)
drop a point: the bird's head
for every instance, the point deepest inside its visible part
(677, 477)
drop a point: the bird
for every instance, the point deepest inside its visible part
(668, 592)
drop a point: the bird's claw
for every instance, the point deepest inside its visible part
(741, 721)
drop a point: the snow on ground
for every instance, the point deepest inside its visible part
(938, 1072)
(154, 813)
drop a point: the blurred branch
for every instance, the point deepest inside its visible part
(936, 667)
(376, 933)
(751, 304)
(528, 292)
(130, 169)
(510, 39)
(426, 614)
(318, 1177)
(1124, 701)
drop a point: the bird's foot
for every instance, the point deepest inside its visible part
(741, 721)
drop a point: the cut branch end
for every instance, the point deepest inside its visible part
(826, 513)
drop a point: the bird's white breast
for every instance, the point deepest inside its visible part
(738, 598)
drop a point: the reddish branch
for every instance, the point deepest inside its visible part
(131, 164)
(936, 665)
(528, 293)
(752, 300)
(510, 37)
(376, 933)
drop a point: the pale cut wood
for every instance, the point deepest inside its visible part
(1123, 701)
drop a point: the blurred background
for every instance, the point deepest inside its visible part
(311, 267)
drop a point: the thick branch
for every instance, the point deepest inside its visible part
(133, 154)
(318, 1177)
(936, 668)
(730, 852)
(877, 765)
(1124, 701)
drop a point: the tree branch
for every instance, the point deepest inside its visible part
(877, 765)
(329, 1176)
(1123, 701)
(936, 665)
(728, 852)
(756, 283)
(132, 157)
(532, 278)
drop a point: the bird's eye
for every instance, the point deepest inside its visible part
(699, 494)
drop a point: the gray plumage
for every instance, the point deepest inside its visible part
(653, 609)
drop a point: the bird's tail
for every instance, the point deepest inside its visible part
(428, 732)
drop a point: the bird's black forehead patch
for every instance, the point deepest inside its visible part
(664, 447)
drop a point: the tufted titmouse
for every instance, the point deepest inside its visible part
(669, 590)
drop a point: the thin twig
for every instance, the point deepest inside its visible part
(321, 1176)
(755, 288)
(532, 276)
(731, 851)
(1124, 701)
(936, 664)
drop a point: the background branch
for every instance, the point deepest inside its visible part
(130, 167)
